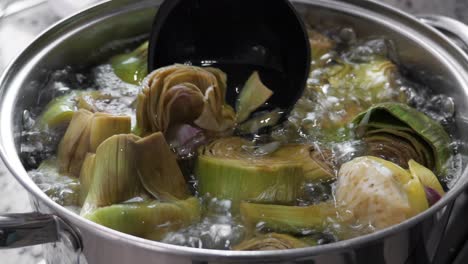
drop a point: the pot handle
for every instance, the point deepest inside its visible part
(455, 30)
(21, 230)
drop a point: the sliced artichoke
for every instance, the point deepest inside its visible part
(271, 241)
(399, 133)
(252, 96)
(158, 170)
(114, 179)
(372, 191)
(337, 93)
(150, 219)
(287, 219)
(85, 132)
(132, 67)
(182, 94)
(225, 170)
(86, 175)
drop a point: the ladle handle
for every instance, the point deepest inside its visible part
(455, 30)
(21, 230)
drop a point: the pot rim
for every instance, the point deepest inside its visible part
(11, 160)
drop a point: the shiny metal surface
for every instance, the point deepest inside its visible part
(425, 52)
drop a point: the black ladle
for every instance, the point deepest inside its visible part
(239, 37)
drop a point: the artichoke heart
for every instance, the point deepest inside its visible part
(252, 96)
(132, 67)
(376, 192)
(148, 219)
(225, 170)
(84, 134)
(399, 133)
(271, 241)
(287, 219)
(182, 94)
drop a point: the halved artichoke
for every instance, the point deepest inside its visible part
(227, 170)
(132, 67)
(182, 94)
(84, 134)
(149, 219)
(271, 241)
(372, 191)
(337, 93)
(399, 133)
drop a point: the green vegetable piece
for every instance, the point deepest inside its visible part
(132, 67)
(59, 112)
(149, 219)
(426, 176)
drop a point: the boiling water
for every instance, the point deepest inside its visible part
(218, 228)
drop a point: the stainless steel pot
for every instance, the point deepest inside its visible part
(429, 55)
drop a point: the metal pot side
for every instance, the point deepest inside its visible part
(75, 41)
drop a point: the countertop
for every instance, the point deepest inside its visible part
(25, 25)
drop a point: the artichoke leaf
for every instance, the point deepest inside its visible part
(148, 219)
(252, 96)
(158, 169)
(86, 175)
(271, 241)
(426, 176)
(435, 139)
(114, 179)
(132, 67)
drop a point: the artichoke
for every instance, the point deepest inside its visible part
(226, 170)
(252, 96)
(182, 94)
(59, 111)
(399, 133)
(287, 219)
(337, 93)
(372, 191)
(132, 67)
(148, 219)
(271, 241)
(157, 168)
(114, 178)
(86, 175)
(84, 134)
